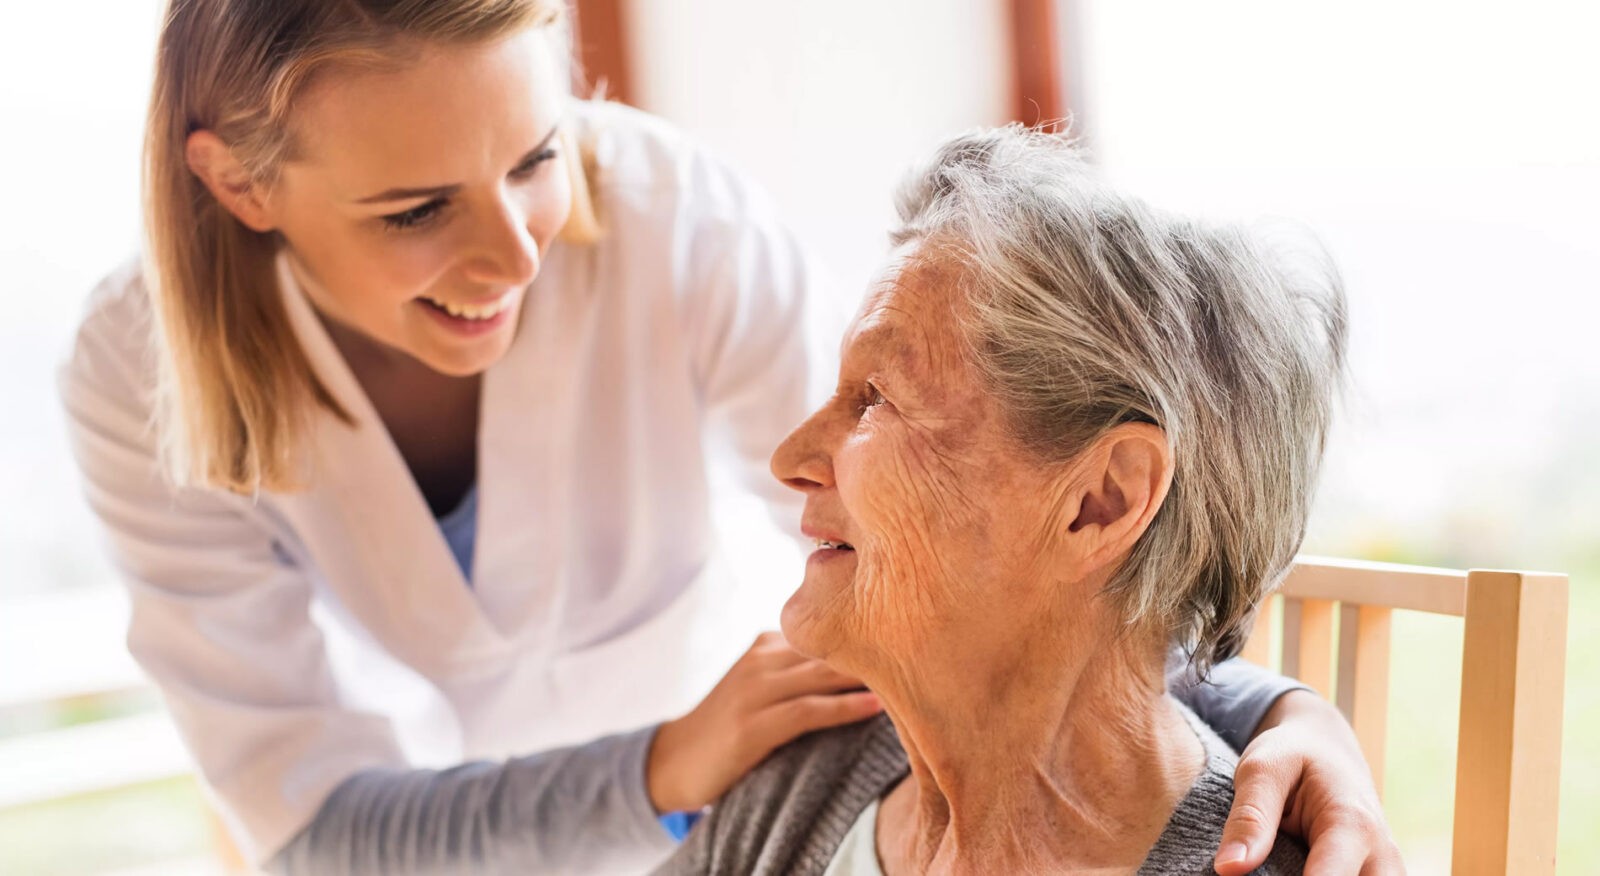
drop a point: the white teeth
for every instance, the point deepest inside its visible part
(477, 311)
(824, 544)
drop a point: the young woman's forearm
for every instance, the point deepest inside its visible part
(573, 810)
(1235, 699)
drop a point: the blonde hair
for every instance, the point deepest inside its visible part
(236, 390)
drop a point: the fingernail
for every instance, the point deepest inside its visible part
(1232, 853)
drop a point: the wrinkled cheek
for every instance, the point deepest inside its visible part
(890, 493)
(902, 594)
(905, 523)
(890, 611)
(900, 501)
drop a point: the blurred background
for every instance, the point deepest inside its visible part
(1447, 153)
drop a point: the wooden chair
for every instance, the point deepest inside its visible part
(1513, 664)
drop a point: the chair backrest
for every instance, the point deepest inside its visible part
(1513, 664)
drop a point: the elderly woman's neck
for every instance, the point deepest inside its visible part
(1072, 758)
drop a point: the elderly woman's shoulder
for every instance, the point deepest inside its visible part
(789, 814)
(1194, 832)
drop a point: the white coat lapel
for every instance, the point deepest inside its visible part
(368, 526)
(526, 490)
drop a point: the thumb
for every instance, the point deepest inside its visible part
(1258, 802)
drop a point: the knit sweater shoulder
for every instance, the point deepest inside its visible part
(789, 816)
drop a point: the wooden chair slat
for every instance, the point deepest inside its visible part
(1258, 649)
(1416, 588)
(1513, 668)
(1363, 683)
(1508, 766)
(1308, 642)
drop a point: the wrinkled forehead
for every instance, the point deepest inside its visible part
(911, 317)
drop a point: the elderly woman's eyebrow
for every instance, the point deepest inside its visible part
(888, 341)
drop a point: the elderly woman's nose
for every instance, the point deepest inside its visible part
(802, 461)
(504, 250)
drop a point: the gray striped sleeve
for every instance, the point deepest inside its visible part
(1234, 699)
(573, 810)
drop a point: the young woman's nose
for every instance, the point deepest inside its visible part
(803, 461)
(504, 250)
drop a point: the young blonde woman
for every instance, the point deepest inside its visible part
(426, 354)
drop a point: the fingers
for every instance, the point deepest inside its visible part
(810, 677)
(771, 652)
(1338, 852)
(1310, 757)
(1386, 862)
(1260, 791)
(789, 719)
(1347, 840)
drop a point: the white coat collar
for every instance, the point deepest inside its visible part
(378, 543)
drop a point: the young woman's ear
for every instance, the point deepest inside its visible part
(1122, 481)
(230, 183)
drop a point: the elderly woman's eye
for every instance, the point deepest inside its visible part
(873, 398)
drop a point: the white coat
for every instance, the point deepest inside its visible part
(693, 315)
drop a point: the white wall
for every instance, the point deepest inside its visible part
(1449, 155)
(825, 103)
(73, 86)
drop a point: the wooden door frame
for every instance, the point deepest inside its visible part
(603, 53)
(601, 50)
(1038, 89)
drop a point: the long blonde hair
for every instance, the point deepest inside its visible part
(236, 389)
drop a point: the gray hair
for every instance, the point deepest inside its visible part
(1088, 309)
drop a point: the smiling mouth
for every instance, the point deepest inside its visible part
(473, 312)
(825, 545)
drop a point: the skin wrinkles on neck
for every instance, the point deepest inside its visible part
(1074, 762)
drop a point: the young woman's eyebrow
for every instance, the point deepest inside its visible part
(444, 191)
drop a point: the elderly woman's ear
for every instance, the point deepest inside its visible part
(1115, 489)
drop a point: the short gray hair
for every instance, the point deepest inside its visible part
(1088, 309)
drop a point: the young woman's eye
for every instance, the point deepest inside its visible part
(527, 168)
(414, 217)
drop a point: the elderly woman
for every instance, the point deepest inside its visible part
(1069, 431)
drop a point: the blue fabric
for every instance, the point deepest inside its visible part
(460, 528)
(678, 824)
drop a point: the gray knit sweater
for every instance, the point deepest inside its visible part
(788, 817)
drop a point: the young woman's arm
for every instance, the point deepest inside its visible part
(1300, 769)
(586, 809)
(1234, 699)
(573, 810)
